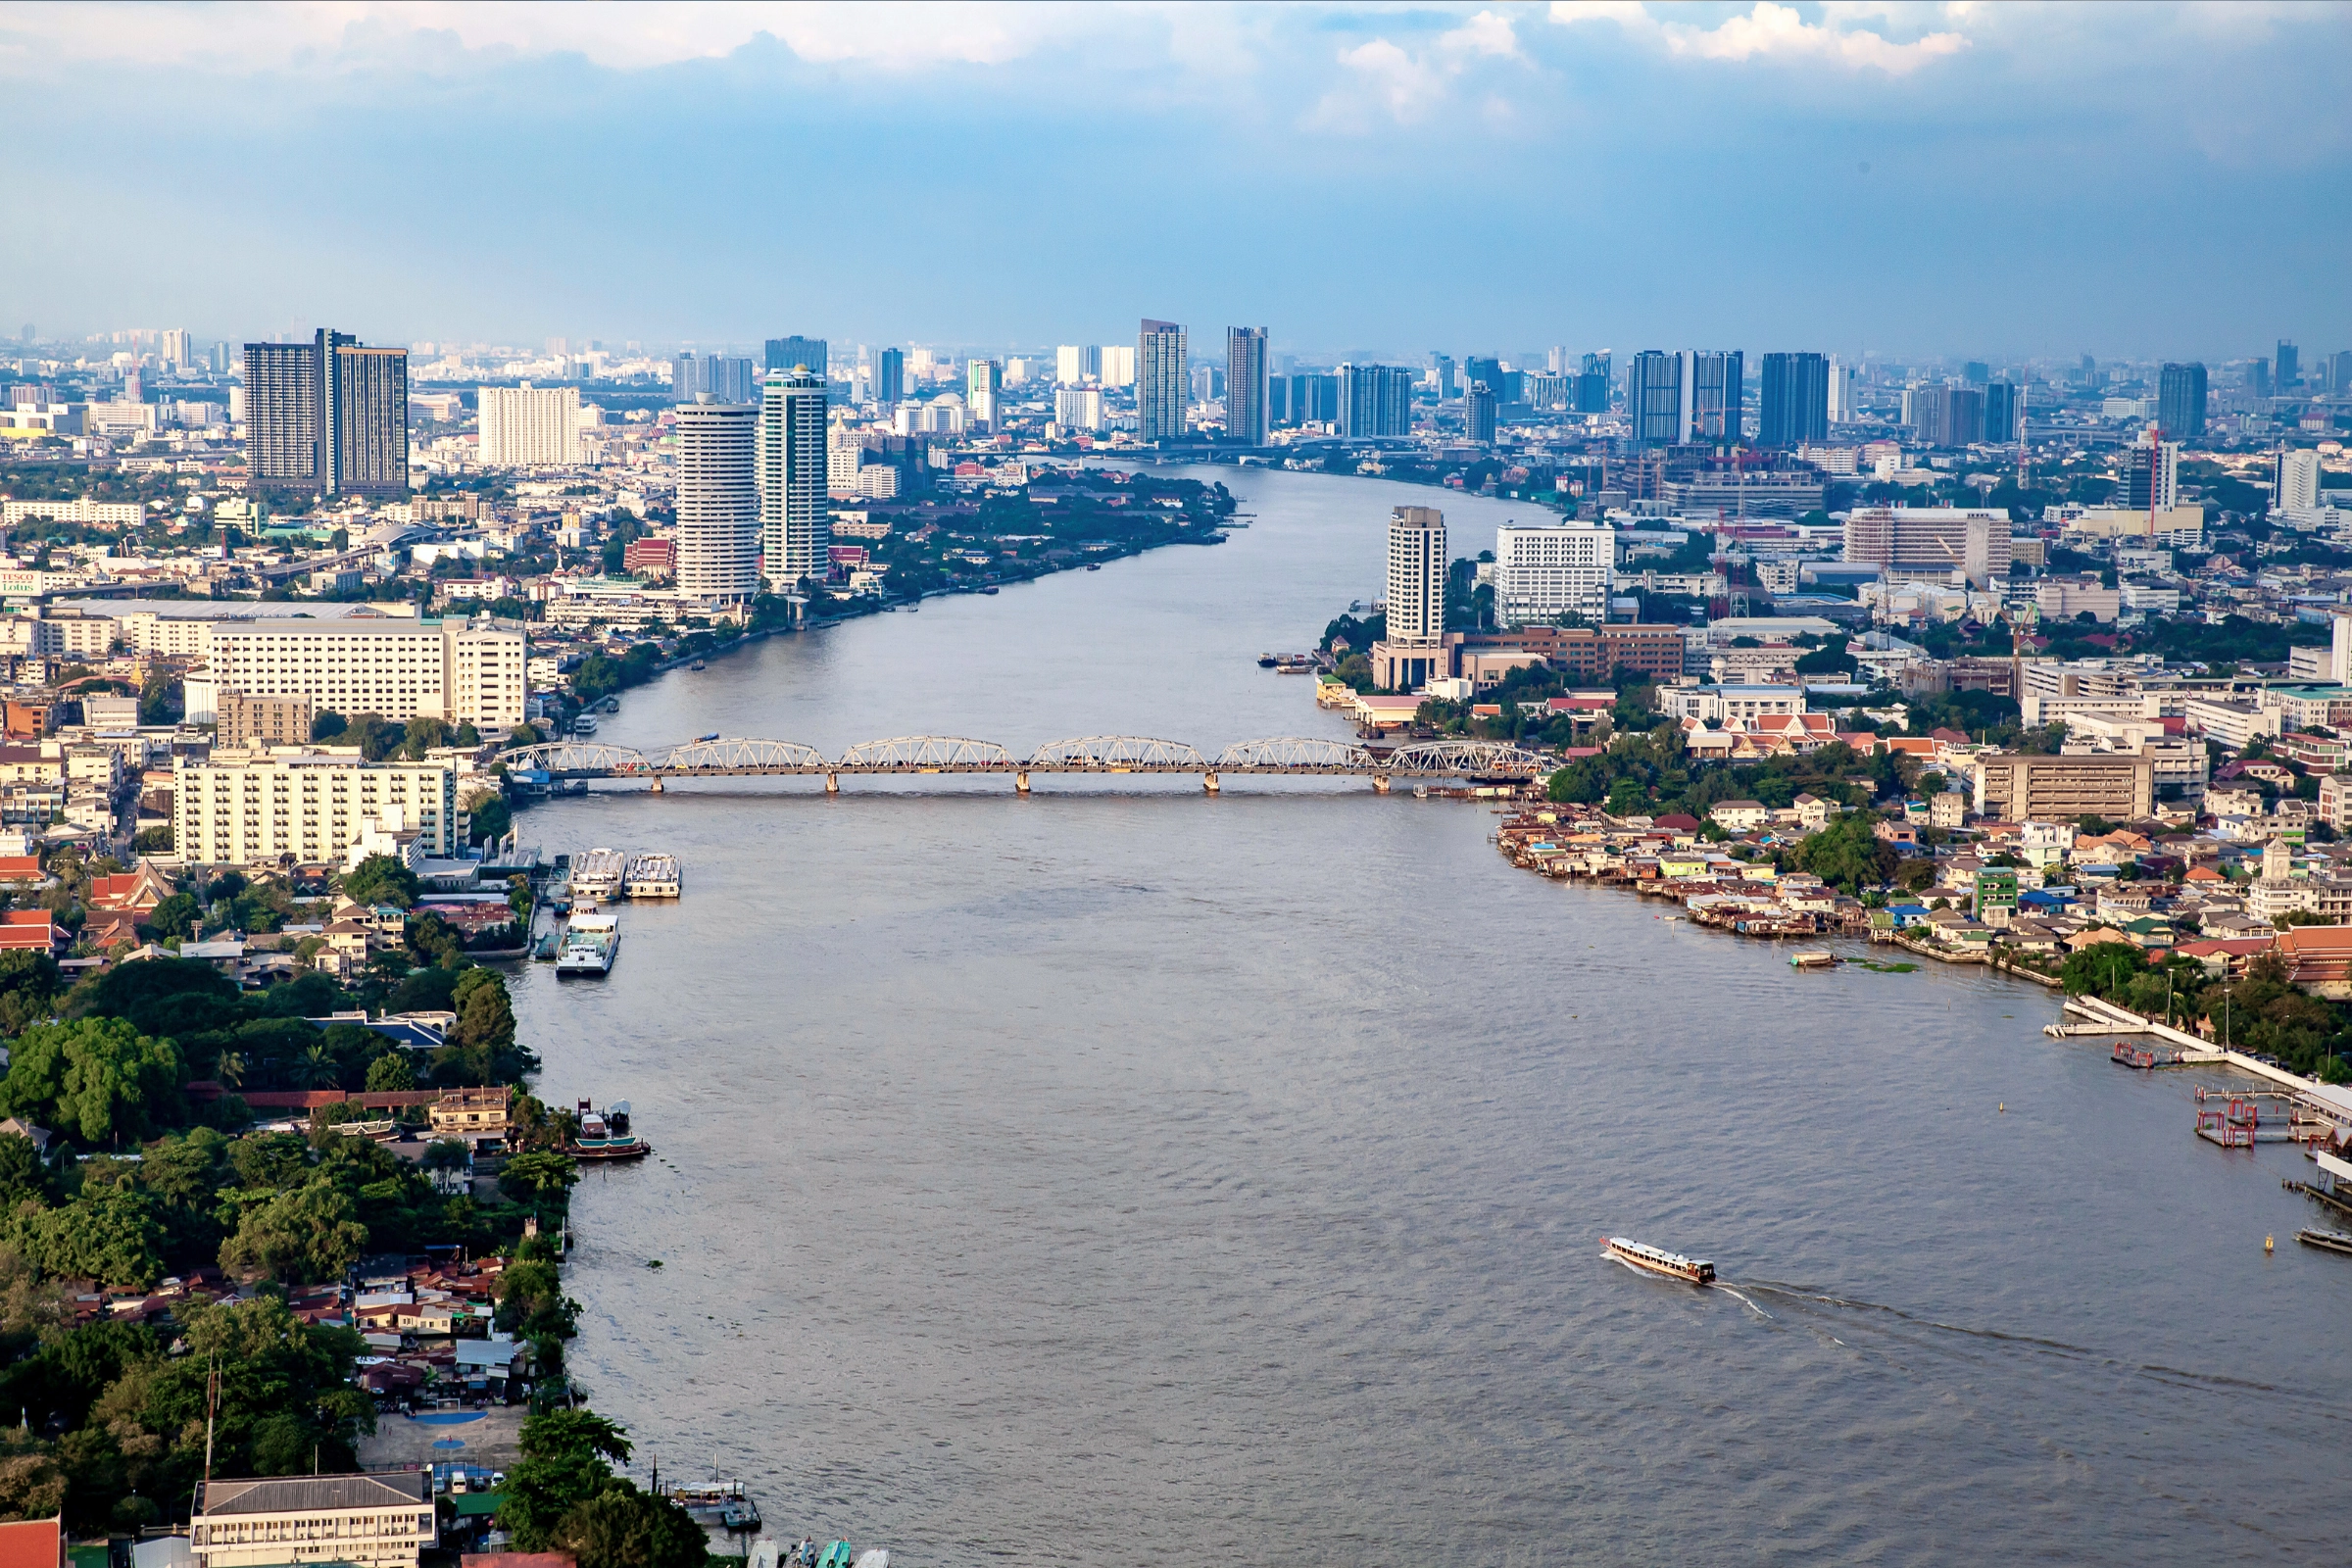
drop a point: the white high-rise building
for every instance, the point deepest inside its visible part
(2298, 488)
(1413, 653)
(845, 455)
(1077, 363)
(527, 426)
(1543, 573)
(396, 666)
(1078, 408)
(985, 382)
(1018, 370)
(795, 477)
(1119, 364)
(719, 500)
(1842, 392)
(237, 808)
(177, 348)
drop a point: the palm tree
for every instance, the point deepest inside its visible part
(231, 1070)
(316, 1068)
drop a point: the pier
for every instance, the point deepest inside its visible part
(1088, 755)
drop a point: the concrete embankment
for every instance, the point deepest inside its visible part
(2328, 1100)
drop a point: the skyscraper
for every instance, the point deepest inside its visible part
(1716, 389)
(1795, 408)
(1311, 399)
(1948, 416)
(1159, 381)
(1478, 413)
(1481, 368)
(786, 353)
(2151, 476)
(984, 385)
(1444, 368)
(726, 377)
(2004, 409)
(1415, 645)
(326, 418)
(178, 350)
(1246, 384)
(1842, 392)
(2290, 369)
(793, 476)
(1592, 385)
(2181, 401)
(2298, 489)
(528, 426)
(718, 499)
(890, 377)
(1375, 399)
(1653, 396)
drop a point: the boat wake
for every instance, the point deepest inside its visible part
(1751, 1306)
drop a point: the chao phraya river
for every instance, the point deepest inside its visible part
(1123, 1176)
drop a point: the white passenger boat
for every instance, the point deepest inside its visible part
(598, 875)
(1657, 1261)
(590, 944)
(652, 876)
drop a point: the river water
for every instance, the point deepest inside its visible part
(1124, 1176)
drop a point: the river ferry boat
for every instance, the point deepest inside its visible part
(652, 876)
(598, 875)
(2327, 1240)
(590, 944)
(1657, 1261)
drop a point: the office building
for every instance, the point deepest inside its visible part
(1543, 573)
(2117, 785)
(383, 1520)
(2339, 372)
(396, 666)
(1310, 397)
(1794, 407)
(178, 349)
(2297, 490)
(1842, 392)
(1160, 373)
(1414, 651)
(1443, 363)
(727, 378)
(2290, 366)
(2181, 401)
(243, 720)
(2151, 479)
(527, 426)
(717, 499)
(890, 377)
(1208, 383)
(1653, 396)
(1947, 415)
(1481, 368)
(2004, 412)
(1246, 384)
(1078, 408)
(793, 353)
(984, 388)
(1375, 401)
(1934, 541)
(1717, 385)
(795, 476)
(1478, 413)
(326, 418)
(1592, 385)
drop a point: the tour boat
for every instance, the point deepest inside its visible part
(651, 876)
(1657, 1261)
(598, 875)
(606, 1135)
(590, 944)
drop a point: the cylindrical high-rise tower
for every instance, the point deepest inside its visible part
(719, 500)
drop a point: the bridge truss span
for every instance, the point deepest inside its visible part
(740, 755)
(580, 757)
(927, 754)
(1117, 754)
(1293, 753)
(1464, 758)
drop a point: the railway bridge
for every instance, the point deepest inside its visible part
(914, 756)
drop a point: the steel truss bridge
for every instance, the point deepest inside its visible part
(1098, 755)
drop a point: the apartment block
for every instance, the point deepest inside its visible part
(1543, 573)
(245, 808)
(2043, 789)
(398, 668)
(246, 721)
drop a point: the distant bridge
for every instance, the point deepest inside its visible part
(908, 756)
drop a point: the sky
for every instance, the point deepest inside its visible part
(1968, 180)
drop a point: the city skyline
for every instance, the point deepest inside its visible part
(1915, 181)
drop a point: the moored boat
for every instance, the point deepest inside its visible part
(1657, 1261)
(605, 1134)
(2327, 1240)
(590, 944)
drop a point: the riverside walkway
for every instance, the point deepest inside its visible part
(1285, 757)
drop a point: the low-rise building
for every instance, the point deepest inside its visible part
(2014, 788)
(471, 1113)
(369, 1521)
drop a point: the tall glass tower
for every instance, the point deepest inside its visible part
(1159, 381)
(794, 527)
(1246, 384)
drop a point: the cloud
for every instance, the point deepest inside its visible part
(1410, 87)
(1777, 31)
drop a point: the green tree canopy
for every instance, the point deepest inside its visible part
(300, 1236)
(381, 879)
(98, 1080)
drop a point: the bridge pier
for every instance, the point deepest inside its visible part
(656, 784)
(832, 784)
(1209, 782)
(1021, 782)
(1380, 783)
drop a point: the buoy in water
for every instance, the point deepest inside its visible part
(2005, 1108)
(2268, 1243)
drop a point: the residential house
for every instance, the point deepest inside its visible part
(1741, 816)
(473, 1113)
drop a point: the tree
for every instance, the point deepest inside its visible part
(176, 916)
(491, 818)
(537, 1174)
(327, 724)
(1847, 854)
(98, 1080)
(568, 1458)
(381, 879)
(623, 1527)
(391, 1074)
(299, 1237)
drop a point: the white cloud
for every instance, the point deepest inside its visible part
(1384, 77)
(1778, 32)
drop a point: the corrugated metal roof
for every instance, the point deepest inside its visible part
(317, 1494)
